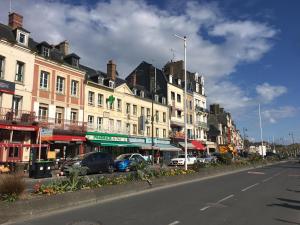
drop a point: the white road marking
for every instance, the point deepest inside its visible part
(265, 180)
(260, 173)
(251, 186)
(222, 200)
(204, 208)
(173, 223)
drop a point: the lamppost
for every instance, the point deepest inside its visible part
(184, 112)
(152, 115)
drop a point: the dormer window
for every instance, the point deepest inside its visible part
(156, 98)
(196, 77)
(179, 81)
(142, 94)
(22, 37)
(100, 80)
(197, 87)
(75, 62)
(111, 84)
(163, 100)
(171, 79)
(134, 91)
(45, 51)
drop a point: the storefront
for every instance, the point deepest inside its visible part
(62, 146)
(116, 144)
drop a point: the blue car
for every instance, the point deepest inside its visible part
(126, 162)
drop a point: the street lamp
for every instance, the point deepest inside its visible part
(184, 112)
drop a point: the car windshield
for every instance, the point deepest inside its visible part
(181, 156)
(121, 157)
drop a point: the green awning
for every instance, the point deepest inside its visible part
(114, 144)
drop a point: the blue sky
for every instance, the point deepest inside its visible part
(247, 50)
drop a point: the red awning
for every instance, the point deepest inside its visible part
(198, 145)
(64, 138)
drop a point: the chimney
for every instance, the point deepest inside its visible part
(63, 47)
(134, 79)
(15, 20)
(215, 109)
(111, 70)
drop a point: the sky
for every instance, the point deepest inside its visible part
(247, 50)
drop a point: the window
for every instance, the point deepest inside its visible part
(191, 105)
(20, 71)
(13, 152)
(148, 131)
(74, 115)
(142, 94)
(156, 115)
(134, 109)
(172, 96)
(100, 80)
(156, 98)
(178, 98)
(22, 38)
(191, 119)
(119, 125)
(91, 98)
(127, 108)
(74, 87)
(59, 115)
(111, 84)
(148, 112)
(2, 60)
(163, 100)
(157, 132)
(75, 62)
(171, 79)
(17, 103)
(134, 91)
(45, 51)
(90, 121)
(100, 99)
(44, 77)
(128, 128)
(179, 82)
(99, 123)
(164, 133)
(43, 112)
(134, 129)
(178, 113)
(60, 85)
(119, 105)
(164, 117)
(142, 111)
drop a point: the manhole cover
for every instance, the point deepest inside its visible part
(84, 222)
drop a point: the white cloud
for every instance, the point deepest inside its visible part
(132, 31)
(273, 115)
(268, 92)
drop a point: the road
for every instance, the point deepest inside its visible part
(264, 196)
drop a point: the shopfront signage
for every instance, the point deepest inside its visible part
(157, 141)
(105, 137)
(7, 87)
(136, 140)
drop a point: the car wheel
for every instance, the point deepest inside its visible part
(110, 169)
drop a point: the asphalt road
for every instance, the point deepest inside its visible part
(264, 196)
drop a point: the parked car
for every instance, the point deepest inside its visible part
(127, 162)
(180, 160)
(272, 155)
(207, 159)
(94, 162)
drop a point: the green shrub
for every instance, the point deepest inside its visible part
(225, 158)
(11, 187)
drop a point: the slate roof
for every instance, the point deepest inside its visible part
(6, 33)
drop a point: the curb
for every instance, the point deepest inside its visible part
(45, 205)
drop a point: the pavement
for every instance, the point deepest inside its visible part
(262, 196)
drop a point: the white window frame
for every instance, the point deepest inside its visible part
(2, 66)
(43, 112)
(90, 120)
(74, 116)
(91, 98)
(44, 78)
(100, 100)
(111, 84)
(74, 88)
(60, 84)
(21, 74)
(45, 51)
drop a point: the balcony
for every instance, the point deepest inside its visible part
(200, 109)
(8, 116)
(202, 125)
(108, 129)
(61, 124)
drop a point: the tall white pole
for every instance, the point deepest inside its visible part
(261, 137)
(184, 111)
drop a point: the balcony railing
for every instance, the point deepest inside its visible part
(62, 124)
(201, 109)
(20, 116)
(108, 129)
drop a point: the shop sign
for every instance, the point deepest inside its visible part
(101, 137)
(7, 87)
(136, 140)
(157, 141)
(46, 132)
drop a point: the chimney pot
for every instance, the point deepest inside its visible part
(63, 47)
(15, 20)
